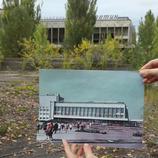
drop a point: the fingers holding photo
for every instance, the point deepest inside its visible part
(88, 151)
(149, 75)
(73, 151)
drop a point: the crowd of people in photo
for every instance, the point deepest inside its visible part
(61, 127)
(51, 128)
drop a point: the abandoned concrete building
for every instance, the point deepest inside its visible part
(120, 28)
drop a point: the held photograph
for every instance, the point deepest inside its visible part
(89, 106)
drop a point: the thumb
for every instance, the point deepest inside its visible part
(88, 151)
(148, 72)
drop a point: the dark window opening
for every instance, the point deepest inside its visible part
(118, 31)
(96, 38)
(125, 31)
(55, 35)
(49, 34)
(61, 35)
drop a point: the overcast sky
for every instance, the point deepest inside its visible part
(134, 9)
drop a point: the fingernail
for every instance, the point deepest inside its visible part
(142, 73)
(86, 145)
(64, 141)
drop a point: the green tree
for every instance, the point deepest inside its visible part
(80, 21)
(18, 22)
(133, 57)
(37, 52)
(146, 34)
(134, 42)
(157, 22)
(155, 42)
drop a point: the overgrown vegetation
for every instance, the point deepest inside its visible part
(90, 56)
(148, 37)
(30, 89)
(3, 129)
(151, 112)
(2, 109)
(38, 52)
(18, 21)
(22, 36)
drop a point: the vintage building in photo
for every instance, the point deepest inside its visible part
(54, 107)
(120, 28)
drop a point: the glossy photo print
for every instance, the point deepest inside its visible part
(90, 106)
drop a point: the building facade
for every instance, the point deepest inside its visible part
(120, 28)
(54, 107)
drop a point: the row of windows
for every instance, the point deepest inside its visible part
(43, 118)
(56, 35)
(101, 34)
(44, 113)
(90, 112)
(118, 31)
(42, 108)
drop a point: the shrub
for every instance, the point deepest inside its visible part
(95, 58)
(21, 109)
(3, 129)
(38, 52)
(2, 109)
(113, 51)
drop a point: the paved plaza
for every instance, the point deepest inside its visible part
(115, 137)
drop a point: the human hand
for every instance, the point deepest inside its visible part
(74, 152)
(149, 71)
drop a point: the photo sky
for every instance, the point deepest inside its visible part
(96, 86)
